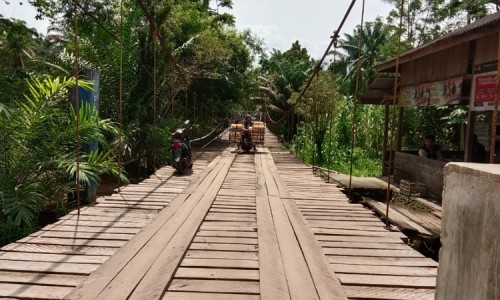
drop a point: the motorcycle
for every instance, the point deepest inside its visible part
(181, 150)
(246, 143)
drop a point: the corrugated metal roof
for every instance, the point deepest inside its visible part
(486, 21)
(382, 83)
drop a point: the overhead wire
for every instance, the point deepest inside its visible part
(356, 97)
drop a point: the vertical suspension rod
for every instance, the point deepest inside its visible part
(393, 117)
(356, 96)
(77, 104)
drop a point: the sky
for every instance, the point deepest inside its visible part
(278, 22)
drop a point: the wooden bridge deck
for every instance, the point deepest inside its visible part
(242, 226)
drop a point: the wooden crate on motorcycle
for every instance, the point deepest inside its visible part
(258, 131)
(235, 132)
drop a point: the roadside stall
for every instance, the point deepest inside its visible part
(459, 68)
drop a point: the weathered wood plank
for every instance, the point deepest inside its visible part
(220, 263)
(66, 280)
(47, 267)
(27, 291)
(216, 273)
(208, 296)
(387, 281)
(273, 283)
(388, 293)
(215, 286)
(222, 254)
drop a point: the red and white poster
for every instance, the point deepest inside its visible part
(484, 91)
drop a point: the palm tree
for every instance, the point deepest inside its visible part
(373, 37)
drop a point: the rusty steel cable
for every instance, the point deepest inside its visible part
(314, 117)
(494, 117)
(154, 101)
(334, 39)
(77, 104)
(356, 97)
(332, 107)
(393, 116)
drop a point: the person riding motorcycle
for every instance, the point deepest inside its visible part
(246, 131)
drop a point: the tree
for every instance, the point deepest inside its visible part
(374, 37)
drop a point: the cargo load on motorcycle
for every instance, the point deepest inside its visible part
(247, 131)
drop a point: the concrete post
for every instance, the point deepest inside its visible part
(469, 265)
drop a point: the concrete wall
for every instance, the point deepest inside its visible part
(469, 265)
(427, 171)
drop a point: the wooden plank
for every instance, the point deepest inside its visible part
(385, 270)
(273, 283)
(374, 245)
(101, 224)
(300, 283)
(73, 242)
(326, 283)
(26, 291)
(207, 296)
(220, 263)
(387, 281)
(377, 234)
(56, 249)
(67, 280)
(222, 254)
(223, 247)
(373, 252)
(244, 228)
(165, 265)
(225, 240)
(358, 239)
(388, 293)
(397, 218)
(44, 257)
(216, 273)
(82, 235)
(47, 267)
(81, 229)
(215, 286)
(234, 234)
(382, 261)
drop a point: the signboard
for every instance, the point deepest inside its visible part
(484, 90)
(444, 92)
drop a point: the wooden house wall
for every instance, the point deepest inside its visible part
(435, 67)
(486, 49)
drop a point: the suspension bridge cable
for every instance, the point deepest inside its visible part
(393, 116)
(356, 96)
(327, 51)
(77, 104)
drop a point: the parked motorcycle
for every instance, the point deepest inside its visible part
(181, 150)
